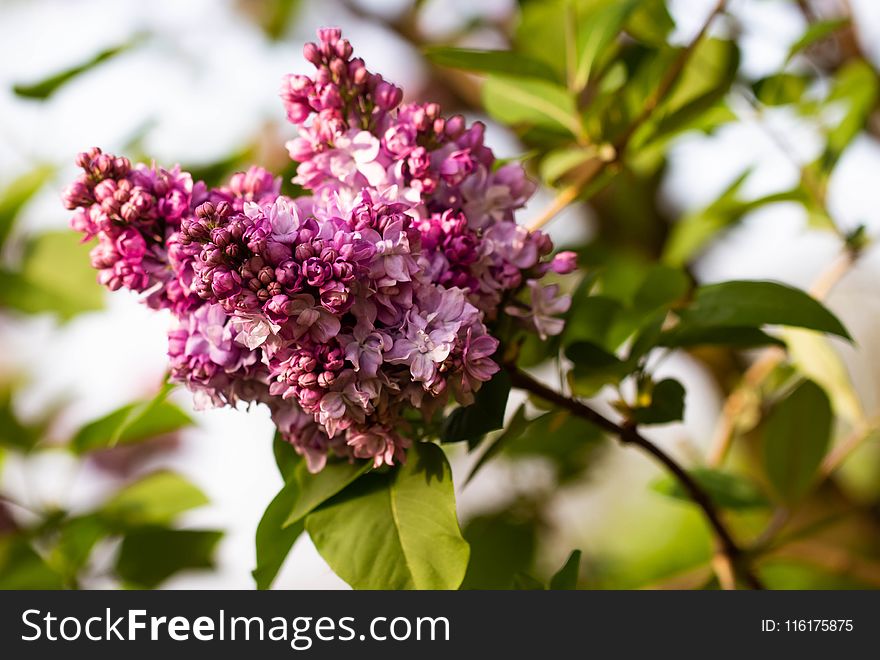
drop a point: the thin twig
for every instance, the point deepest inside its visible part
(629, 435)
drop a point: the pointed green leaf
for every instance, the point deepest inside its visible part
(566, 577)
(397, 530)
(17, 194)
(149, 556)
(486, 414)
(755, 303)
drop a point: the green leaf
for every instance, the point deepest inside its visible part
(43, 89)
(154, 499)
(796, 436)
(854, 90)
(667, 404)
(14, 432)
(315, 489)
(397, 530)
(274, 538)
(530, 102)
(135, 422)
(486, 414)
(725, 489)
(566, 577)
(816, 32)
(687, 336)
(37, 286)
(149, 556)
(17, 194)
(813, 355)
(22, 568)
(506, 62)
(755, 303)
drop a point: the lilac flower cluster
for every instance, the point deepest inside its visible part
(348, 308)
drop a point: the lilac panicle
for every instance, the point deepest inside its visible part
(345, 309)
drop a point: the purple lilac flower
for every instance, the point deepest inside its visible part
(347, 308)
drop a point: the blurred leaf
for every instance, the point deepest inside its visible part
(755, 303)
(507, 62)
(854, 90)
(149, 556)
(514, 429)
(650, 22)
(43, 89)
(667, 404)
(594, 367)
(154, 499)
(22, 568)
(693, 232)
(76, 540)
(566, 578)
(814, 357)
(502, 545)
(486, 414)
(559, 162)
(531, 102)
(14, 432)
(727, 490)
(396, 530)
(816, 32)
(781, 88)
(275, 16)
(274, 538)
(662, 286)
(595, 30)
(590, 319)
(735, 337)
(39, 285)
(796, 436)
(568, 441)
(315, 489)
(135, 422)
(17, 194)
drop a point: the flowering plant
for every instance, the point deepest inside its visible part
(346, 310)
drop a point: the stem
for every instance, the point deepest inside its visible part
(629, 435)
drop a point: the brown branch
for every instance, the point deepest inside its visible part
(734, 555)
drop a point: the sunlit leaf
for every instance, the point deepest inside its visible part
(22, 568)
(816, 32)
(397, 530)
(530, 102)
(17, 194)
(315, 489)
